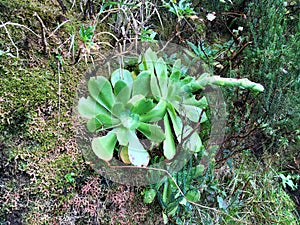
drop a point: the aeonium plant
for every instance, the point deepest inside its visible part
(116, 107)
(127, 105)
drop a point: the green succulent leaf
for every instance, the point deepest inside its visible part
(234, 82)
(104, 146)
(150, 58)
(190, 112)
(152, 132)
(155, 89)
(89, 108)
(101, 121)
(119, 109)
(119, 85)
(155, 114)
(130, 121)
(162, 75)
(138, 156)
(176, 123)
(93, 125)
(100, 89)
(134, 100)
(176, 66)
(122, 135)
(123, 75)
(143, 106)
(172, 93)
(141, 84)
(193, 143)
(191, 100)
(124, 155)
(169, 143)
(123, 95)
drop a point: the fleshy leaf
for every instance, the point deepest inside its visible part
(169, 144)
(123, 75)
(176, 67)
(202, 103)
(119, 85)
(155, 114)
(94, 124)
(138, 156)
(130, 121)
(101, 121)
(124, 94)
(143, 106)
(89, 108)
(104, 146)
(141, 84)
(176, 123)
(150, 58)
(193, 143)
(190, 112)
(155, 90)
(124, 155)
(152, 132)
(100, 89)
(122, 135)
(162, 75)
(118, 109)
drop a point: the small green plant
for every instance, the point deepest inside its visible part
(148, 35)
(70, 177)
(86, 36)
(181, 9)
(169, 195)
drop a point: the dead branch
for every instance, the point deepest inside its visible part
(44, 39)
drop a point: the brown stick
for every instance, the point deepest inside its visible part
(44, 39)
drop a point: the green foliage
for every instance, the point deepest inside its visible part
(181, 9)
(86, 34)
(251, 188)
(148, 35)
(169, 194)
(272, 60)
